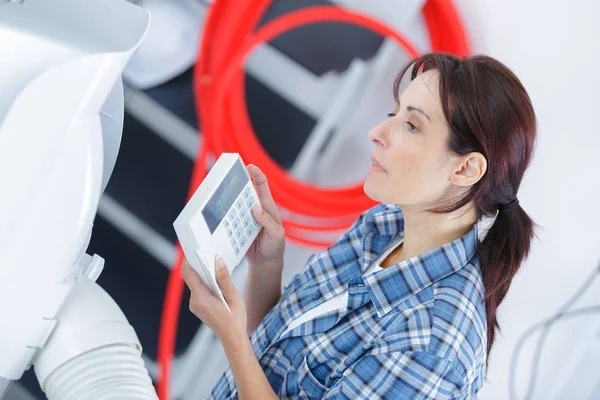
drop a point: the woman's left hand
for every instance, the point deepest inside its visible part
(211, 310)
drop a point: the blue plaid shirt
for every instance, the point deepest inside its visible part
(414, 330)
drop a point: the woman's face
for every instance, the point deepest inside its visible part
(412, 165)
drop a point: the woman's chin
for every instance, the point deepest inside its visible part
(370, 189)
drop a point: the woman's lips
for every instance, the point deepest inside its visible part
(375, 166)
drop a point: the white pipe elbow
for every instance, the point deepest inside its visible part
(93, 352)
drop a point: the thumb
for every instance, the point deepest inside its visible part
(224, 280)
(273, 230)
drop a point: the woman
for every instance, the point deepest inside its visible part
(404, 305)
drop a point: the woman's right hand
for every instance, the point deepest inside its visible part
(268, 247)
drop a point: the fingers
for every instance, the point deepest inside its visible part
(190, 276)
(201, 296)
(224, 280)
(273, 229)
(264, 193)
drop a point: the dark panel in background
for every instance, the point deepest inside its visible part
(272, 116)
(306, 46)
(30, 383)
(137, 282)
(150, 178)
(281, 128)
(177, 96)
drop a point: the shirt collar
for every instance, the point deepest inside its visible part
(393, 285)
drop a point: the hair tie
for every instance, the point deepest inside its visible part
(508, 206)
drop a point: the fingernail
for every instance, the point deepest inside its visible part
(257, 209)
(220, 263)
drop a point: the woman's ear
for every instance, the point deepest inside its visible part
(469, 169)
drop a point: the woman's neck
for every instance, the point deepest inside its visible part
(424, 231)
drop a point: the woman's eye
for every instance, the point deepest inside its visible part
(412, 127)
(391, 115)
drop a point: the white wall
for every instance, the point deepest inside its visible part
(554, 48)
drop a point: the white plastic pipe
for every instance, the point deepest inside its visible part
(93, 352)
(110, 372)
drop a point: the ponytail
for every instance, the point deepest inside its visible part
(501, 253)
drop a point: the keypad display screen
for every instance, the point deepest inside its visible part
(224, 197)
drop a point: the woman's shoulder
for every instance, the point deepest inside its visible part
(446, 319)
(459, 318)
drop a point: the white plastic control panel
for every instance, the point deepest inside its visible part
(218, 220)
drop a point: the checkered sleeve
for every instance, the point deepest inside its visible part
(409, 375)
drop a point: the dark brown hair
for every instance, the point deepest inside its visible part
(488, 111)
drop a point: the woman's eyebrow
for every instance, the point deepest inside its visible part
(411, 108)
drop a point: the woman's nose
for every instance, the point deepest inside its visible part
(376, 135)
